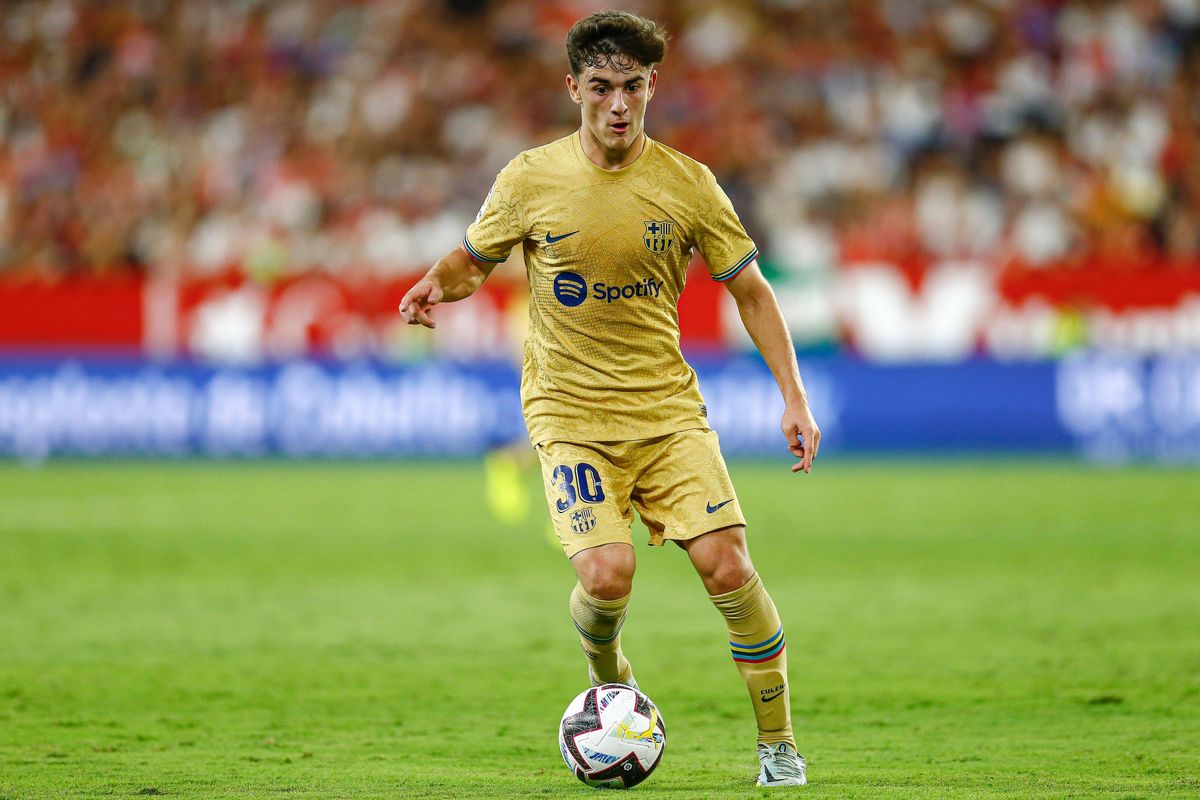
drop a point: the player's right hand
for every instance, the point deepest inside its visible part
(417, 301)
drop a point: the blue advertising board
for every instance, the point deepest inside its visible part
(1100, 406)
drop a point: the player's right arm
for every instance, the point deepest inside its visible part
(498, 228)
(455, 276)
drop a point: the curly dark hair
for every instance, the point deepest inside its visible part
(615, 38)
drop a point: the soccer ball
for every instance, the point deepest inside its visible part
(612, 736)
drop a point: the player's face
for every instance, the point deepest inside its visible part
(613, 103)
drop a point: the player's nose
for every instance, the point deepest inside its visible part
(619, 105)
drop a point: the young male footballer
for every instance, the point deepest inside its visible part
(608, 220)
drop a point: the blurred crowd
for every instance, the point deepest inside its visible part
(284, 136)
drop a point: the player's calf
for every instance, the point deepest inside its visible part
(757, 644)
(599, 624)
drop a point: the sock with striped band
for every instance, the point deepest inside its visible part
(756, 640)
(599, 625)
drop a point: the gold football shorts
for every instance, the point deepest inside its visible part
(678, 483)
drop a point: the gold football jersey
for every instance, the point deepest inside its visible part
(606, 252)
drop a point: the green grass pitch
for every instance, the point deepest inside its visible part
(961, 630)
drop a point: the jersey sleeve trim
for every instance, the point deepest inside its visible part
(480, 256)
(721, 277)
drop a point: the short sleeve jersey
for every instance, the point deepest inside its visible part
(606, 252)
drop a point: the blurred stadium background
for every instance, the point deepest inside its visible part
(982, 218)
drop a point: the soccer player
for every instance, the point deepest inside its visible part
(608, 220)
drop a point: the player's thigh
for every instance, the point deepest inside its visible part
(683, 489)
(587, 493)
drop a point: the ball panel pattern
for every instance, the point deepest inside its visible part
(612, 736)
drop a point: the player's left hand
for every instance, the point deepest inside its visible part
(802, 434)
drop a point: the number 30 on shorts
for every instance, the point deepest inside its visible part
(579, 483)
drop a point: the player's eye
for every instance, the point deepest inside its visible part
(633, 87)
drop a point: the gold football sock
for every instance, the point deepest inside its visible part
(756, 639)
(599, 623)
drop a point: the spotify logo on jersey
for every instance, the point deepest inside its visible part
(570, 288)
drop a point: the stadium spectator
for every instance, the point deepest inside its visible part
(198, 136)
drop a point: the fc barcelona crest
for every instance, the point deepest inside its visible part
(659, 235)
(583, 520)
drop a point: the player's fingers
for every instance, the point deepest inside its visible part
(422, 295)
(422, 316)
(414, 313)
(791, 434)
(810, 451)
(408, 305)
(798, 449)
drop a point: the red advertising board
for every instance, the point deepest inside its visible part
(72, 313)
(954, 310)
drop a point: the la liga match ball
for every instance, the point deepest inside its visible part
(612, 736)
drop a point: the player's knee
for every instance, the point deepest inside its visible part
(606, 572)
(608, 587)
(723, 564)
(729, 575)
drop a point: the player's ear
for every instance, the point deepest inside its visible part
(573, 89)
(650, 84)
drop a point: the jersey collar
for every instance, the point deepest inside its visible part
(611, 174)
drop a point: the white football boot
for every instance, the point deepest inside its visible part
(780, 765)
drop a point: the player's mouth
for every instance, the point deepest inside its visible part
(620, 128)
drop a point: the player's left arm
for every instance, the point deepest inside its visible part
(764, 322)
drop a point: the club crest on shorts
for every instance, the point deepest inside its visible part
(583, 520)
(659, 235)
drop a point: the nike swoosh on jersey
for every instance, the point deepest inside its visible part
(551, 238)
(710, 508)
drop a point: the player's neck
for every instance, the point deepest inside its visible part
(607, 158)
